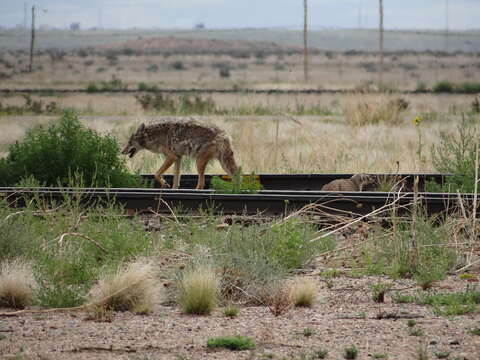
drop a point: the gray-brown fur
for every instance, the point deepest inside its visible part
(177, 138)
(356, 183)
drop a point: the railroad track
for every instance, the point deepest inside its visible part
(212, 91)
(267, 202)
(306, 181)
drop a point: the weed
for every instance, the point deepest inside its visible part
(380, 356)
(331, 273)
(379, 290)
(236, 342)
(304, 292)
(307, 332)
(362, 315)
(3, 336)
(411, 323)
(400, 298)
(54, 153)
(198, 289)
(475, 331)
(131, 288)
(442, 354)
(422, 353)
(350, 352)
(320, 354)
(238, 184)
(416, 332)
(467, 276)
(231, 311)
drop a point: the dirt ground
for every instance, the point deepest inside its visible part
(344, 315)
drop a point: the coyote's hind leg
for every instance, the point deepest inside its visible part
(202, 160)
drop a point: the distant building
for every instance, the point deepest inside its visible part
(75, 26)
(200, 26)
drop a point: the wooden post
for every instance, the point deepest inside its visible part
(305, 40)
(380, 80)
(32, 39)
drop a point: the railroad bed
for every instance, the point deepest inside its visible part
(267, 202)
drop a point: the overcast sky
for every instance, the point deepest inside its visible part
(431, 14)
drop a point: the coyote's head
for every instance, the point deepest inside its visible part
(135, 142)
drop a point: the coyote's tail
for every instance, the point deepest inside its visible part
(225, 156)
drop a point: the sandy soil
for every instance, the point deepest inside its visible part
(344, 315)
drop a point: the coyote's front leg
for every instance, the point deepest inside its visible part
(165, 166)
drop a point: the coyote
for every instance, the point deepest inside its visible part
(355, 183)
(176, 138)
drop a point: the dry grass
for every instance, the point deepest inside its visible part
(17, 283)
(380, 110)
(304, 292)
(277, 297)
(133, 287)
(198, 289)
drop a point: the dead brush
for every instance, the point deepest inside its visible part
(17, 283)
(277, 297)
(132, 287)
(389, 112)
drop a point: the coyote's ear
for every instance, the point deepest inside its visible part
(141, 127)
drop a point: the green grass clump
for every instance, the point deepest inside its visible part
(445, 304)
(198, 290)
(411, 323)
(53, 154)
(475, 331)
(231, 311)
(239, 184)
(380, 356)
(350, 352)
(320, 354)
(236, 342)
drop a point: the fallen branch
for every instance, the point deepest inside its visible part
(83, 236)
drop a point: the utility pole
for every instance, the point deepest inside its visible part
(360, 5)
(25, 16)
(380, 82)
(305, 41)
(32, 39)
(447, 25)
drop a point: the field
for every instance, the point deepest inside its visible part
(94, 283)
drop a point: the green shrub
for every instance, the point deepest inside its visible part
(350, 352)
(456, 155)
(236, 342)
(53, 154)
(379, 290)
(92, 88)
(443, 87)
(469, 87)
(239, 184)
(231, 311)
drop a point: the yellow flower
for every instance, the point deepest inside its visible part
(417, 121)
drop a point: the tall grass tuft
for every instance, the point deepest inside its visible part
(198, 289)
(304, 292)
(18, 286)
(132, 287)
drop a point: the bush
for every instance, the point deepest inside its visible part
(236, 342)
(456, 155)
(53, 154)
(132, 287)
(443, 87)
(350, 352)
